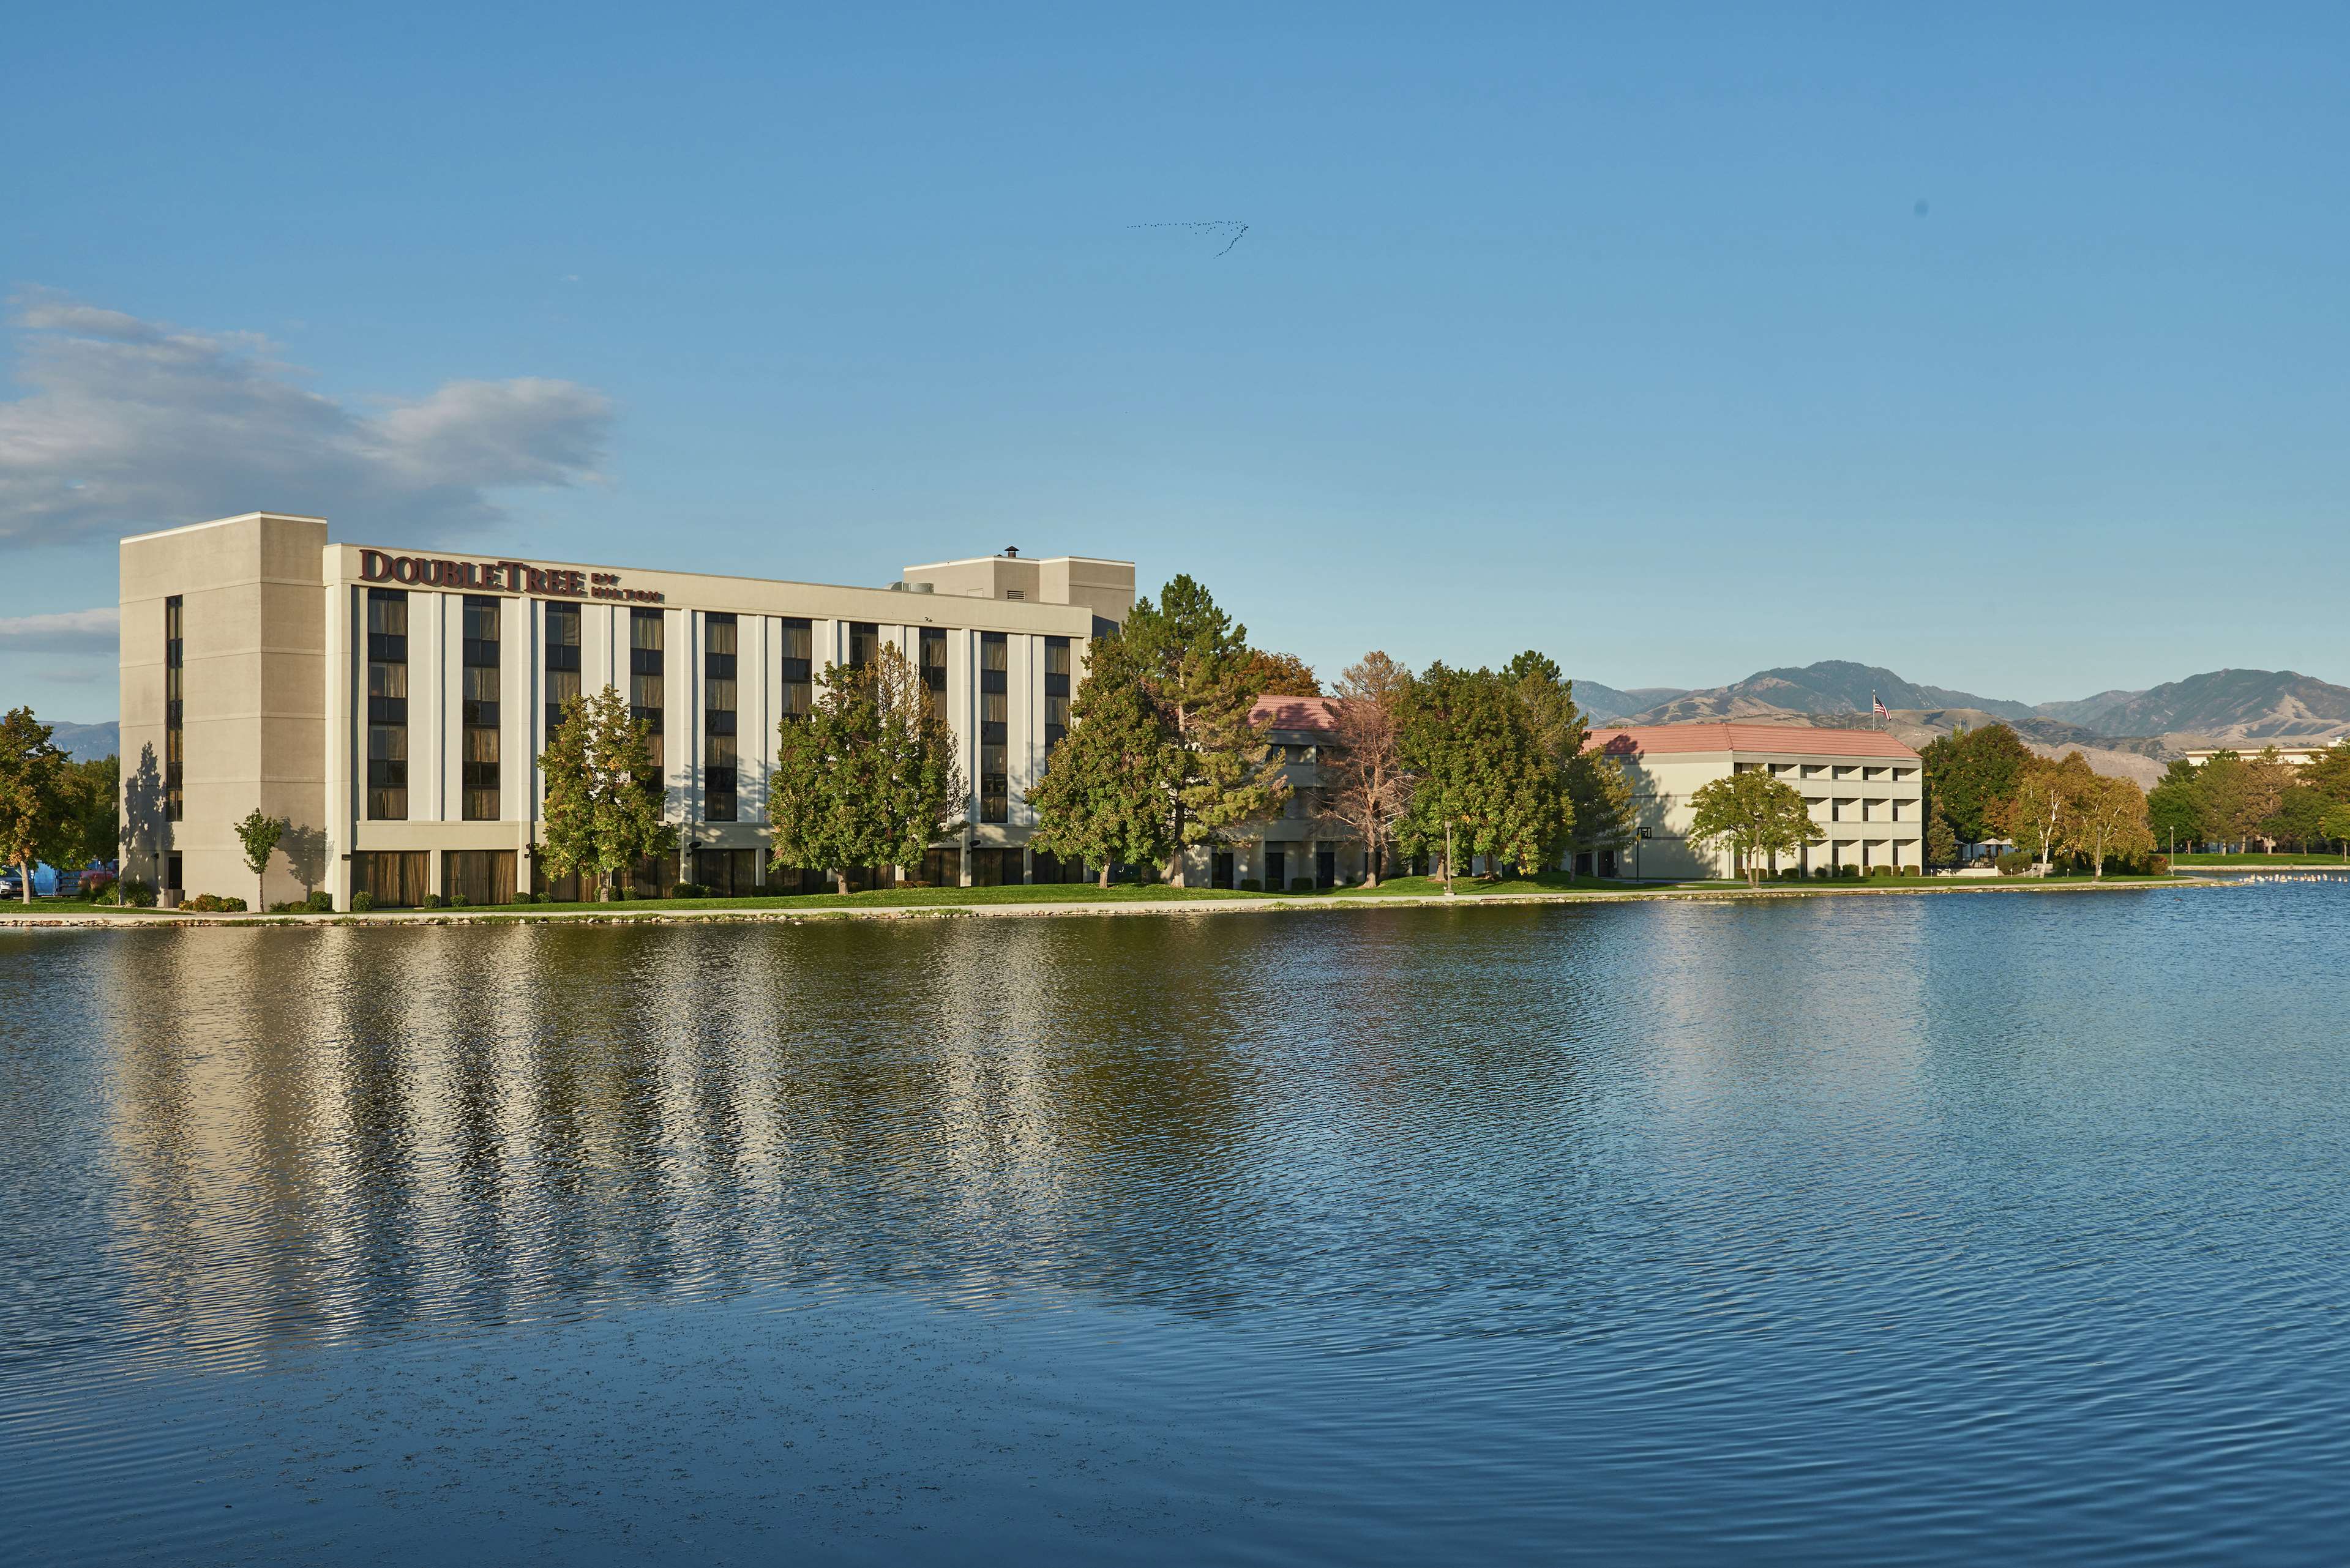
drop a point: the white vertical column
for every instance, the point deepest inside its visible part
(1024, 681)
(518, 713)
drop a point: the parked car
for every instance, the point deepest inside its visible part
(12, 883)
(96, 880)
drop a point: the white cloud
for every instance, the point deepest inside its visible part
(130, 425)
(62, 631)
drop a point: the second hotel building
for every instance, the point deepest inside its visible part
(390, 705)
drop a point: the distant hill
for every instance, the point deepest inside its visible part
(1607, 703)
(88, 743)
(2231, 706)
(1831, 685)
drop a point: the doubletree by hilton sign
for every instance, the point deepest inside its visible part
(498, 578)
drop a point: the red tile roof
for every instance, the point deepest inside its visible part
(1784, 740)
(1272, 712)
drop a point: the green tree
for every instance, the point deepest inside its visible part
(259, 834)
(1194, 663)
(1486, 785)
(1752, 815)
(2336, 823)
(2296, 819)
(2174, 806)
(2108, 817)
(1103, 799)
(1970, 776)
(2227, 801)
(32, 801)
(869, 777)
(2328, 773)
(1599, 802)
(86, 829)
(1941, 841)
(2039, 817)
(603, 808)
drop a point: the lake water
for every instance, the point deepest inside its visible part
(1866, 1229)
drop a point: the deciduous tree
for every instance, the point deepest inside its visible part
(1752, 815)
(2108, 818)
(603, 808)
(869, 777)
(32, 801)
(1363, 779)
(2174, 806)
(1971, 777)
(1486, 784)
(259, 836)
(1284, 674)
(2039, 817)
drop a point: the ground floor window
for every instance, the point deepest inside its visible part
(1051, 868)
(396, 878)
(1325, 867)
(1276, 869)
(479, 875)
(996, 868)
(1220, 869)
(729, 873)
(654, 877)
(942, 866)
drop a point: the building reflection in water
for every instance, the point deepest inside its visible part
(343, 1131)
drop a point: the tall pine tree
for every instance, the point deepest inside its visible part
(1105, 797)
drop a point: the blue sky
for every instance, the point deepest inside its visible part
(2005, 349)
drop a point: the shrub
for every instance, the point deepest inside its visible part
(2015, 863)
(1251, 885)
(215, 904)
(459, 901)
(132, 893)
(319, 902)
(1791, 874)
(526, 896)
(433, 900)
(2159, 865)
(362, 902)
(690, 890)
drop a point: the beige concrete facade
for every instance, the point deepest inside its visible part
(1866, 793)
(275, 643)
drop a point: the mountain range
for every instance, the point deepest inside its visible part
(2247, 708)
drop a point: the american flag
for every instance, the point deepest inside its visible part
(1878, 703)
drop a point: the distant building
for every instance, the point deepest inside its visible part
(1305, 847)
(2297, 754)
(1867, 792)
(390, 705)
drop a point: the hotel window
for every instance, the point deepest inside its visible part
(934, 660)
(864, 643)
(481, 709)
(718, 719)
(994, 791)
(798, 684)
(387, 705)
(646, 678)
(175, 740)
(562, 662)
(1056, 691)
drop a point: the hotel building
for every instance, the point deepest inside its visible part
(1866, 789)
(390, 705)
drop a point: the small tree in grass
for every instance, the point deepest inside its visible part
(603, 810)
(259, 834)
(869, 777)
(1752, 815)
(1941, 841)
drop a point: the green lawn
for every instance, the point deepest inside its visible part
(2280, 860)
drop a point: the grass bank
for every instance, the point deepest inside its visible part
(1126, 898)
